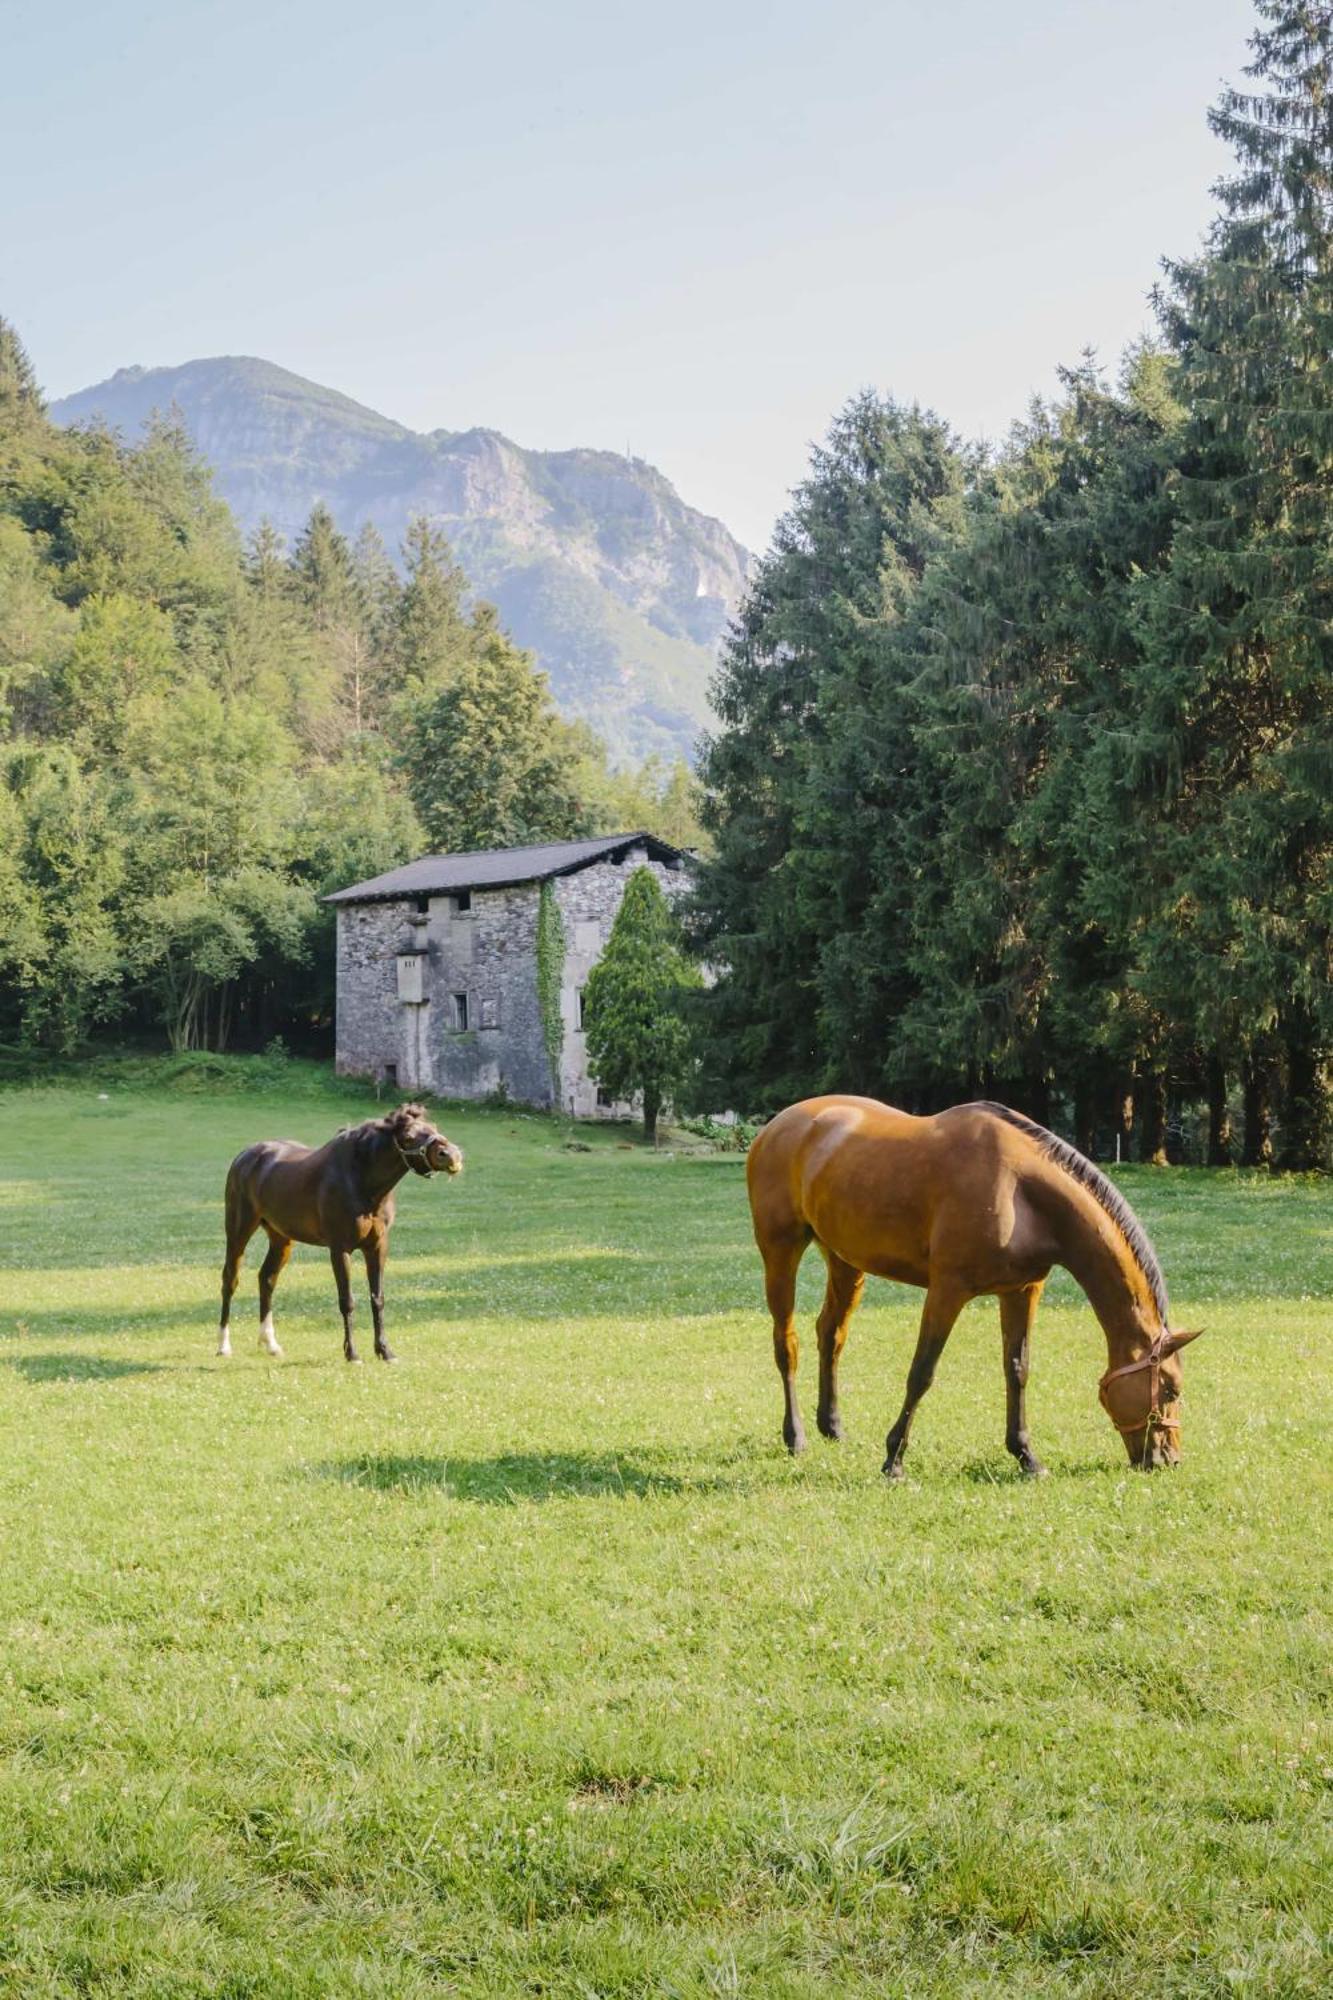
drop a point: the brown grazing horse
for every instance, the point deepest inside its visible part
(978, 1199)
(339, 1195)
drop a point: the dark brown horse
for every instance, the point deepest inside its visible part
(339, 1195)
(975, 1200)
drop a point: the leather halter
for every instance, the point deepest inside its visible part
(417, 1153)
(1153, 1359)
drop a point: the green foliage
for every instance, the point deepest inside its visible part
(550, 981)
(1023, 785)
(489, 763)
(198, 740)
(637, 1041)
(431, 634)
(198, 937)
(790, 778)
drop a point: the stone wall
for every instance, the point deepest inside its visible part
(489, 955)
(370, 1033)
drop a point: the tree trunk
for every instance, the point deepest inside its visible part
(1304, 1101)
(1038, 1094)
(1258, 1145)
(1085, 1115)
(1219, 1118)
(652, 1104)
(1152, 1137)
(1124, 1118)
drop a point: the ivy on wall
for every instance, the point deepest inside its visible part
(550, 978)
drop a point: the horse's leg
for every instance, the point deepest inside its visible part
(279, 1250)
(781, 1262)
(843, 1295)
(1017, 1312)
(342, 1278)
(375, 1250)
(241, 1226)
(943, 1304)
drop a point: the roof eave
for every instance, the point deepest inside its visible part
(349, 897)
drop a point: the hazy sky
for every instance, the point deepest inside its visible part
(692, 231)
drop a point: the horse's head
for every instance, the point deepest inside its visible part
(424, 1149)
(1142, 1399)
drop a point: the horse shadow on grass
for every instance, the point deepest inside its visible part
(511, 1478)
(1002, 1471)
(76, 1367)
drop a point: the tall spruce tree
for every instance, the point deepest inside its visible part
(432, 632)
(788, 781)
(1239, 682)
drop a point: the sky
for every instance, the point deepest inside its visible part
(687, 232)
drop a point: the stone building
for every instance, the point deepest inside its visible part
(437, 966)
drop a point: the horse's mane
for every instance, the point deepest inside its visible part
(1104, 1193)
(398, 1119)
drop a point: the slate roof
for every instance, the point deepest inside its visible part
(501, 867)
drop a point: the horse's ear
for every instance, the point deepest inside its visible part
(1178, 1340)
(404, 1118)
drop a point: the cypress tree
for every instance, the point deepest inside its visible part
(638, 1045)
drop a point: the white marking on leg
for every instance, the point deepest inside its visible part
(224, 1340)
(268, 1339)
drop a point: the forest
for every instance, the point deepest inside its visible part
(200, 738)
(1023, 780)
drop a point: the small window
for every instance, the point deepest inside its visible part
(604, 1100)
(462, 902)
(422, 905)
(391, 1076)
(580, 1003)
(458, 1011)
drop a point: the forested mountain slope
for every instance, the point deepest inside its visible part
(593, 559)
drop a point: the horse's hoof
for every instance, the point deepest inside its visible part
(833, 1431)
(1034, 1469)
(795, 1445)
(352, 1360)
(385, 1356)
(892, 1469)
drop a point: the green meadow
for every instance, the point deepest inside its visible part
(532, 1665)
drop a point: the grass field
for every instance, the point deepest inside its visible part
(532, 1665)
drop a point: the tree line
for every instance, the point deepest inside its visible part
(1023, 779)
(199, 737)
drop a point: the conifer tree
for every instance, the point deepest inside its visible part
(322, 566)
(488, 761)
(789, 779)
(20, 398)
(433, 633)
(379, 593)
(1239, 680)
(637, 1041)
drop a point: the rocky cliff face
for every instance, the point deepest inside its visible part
(594, 561)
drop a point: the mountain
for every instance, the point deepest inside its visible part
(593, 560)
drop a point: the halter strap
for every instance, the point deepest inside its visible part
(1153, 1359)
(417, 1152)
